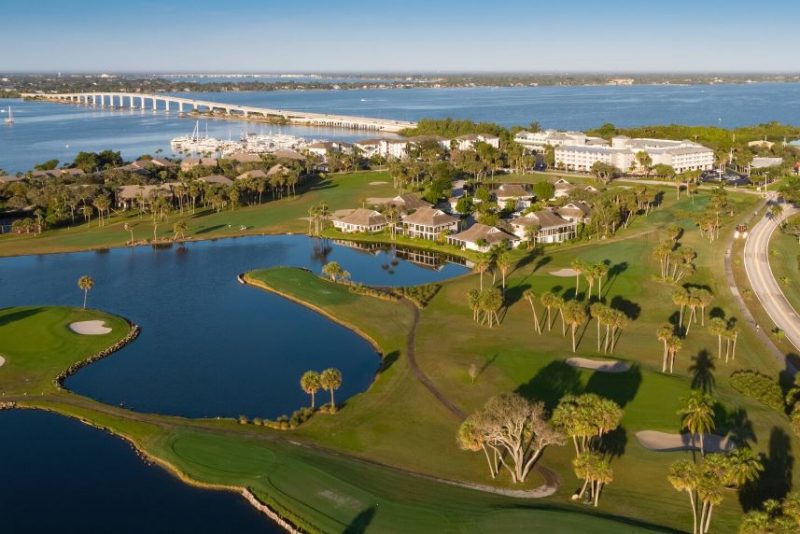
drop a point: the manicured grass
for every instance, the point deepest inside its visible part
(784, 252)
(38, 344)
(275, 216)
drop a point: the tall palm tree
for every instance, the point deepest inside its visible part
(704, 298)
(575, 314)
(129, 228)
(698, 416)
(548, 300)
(503, 262)
(481, 266)
(530, 296)
(598, 311)
(180, 227)
(680, 297)
(311, 383)
(718, 328)
(85, 283)
(579, 267)
(601, 270)
(663, 334)
(474, 300)
(684, 477)
(331, 379)
(674, 345)
(732, 334)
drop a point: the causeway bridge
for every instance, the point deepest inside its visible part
(167, 103)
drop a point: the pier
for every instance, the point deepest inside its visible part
(167, 104)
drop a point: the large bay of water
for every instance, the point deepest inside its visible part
(44, 131)
(62, 476)
(210, 346)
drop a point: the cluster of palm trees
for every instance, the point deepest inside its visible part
(672, 336)
(705, 481)
(587, 419)
(574, 312)
(486, 302)
(318, 216)
(709, 221)
(676, 261)
(312, 381)
(724, 330)
(485, 305)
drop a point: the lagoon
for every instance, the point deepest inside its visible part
(210, 346)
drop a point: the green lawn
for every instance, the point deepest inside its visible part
(275, 216)
(784, 256)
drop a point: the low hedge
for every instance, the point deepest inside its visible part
(760, 387)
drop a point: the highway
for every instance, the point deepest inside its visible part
(763, 282)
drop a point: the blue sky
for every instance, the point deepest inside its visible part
(395, 35)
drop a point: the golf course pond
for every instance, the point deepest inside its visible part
(210, 346)
(60, 475)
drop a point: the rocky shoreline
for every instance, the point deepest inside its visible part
(132, 334)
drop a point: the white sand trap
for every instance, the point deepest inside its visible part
(90, 328)
(2, 361)
(603, 366)
(664, 442)
(378, 183)
(563, 273)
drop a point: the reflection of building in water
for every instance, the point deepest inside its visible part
(370, 248)
(423, 258)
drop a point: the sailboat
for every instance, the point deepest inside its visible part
(10, 118)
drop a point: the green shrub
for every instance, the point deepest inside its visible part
(760, 387)
(420, 295)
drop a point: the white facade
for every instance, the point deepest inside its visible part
(467, 142)
(537, 141)
(680, 155)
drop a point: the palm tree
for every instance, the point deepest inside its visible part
(311, 383)
(85, 283)
(599, 312)
(474, 299)
(481, 266)
(331, 379)
(530, 296)
(704, 298)
(698, 416)
(680, 297)
(548, 300)
(129, 228)
(590, 273)
(743, 466)
(503, 263)
(601, 271)
(334, 271)
(684, 477)
(674, 345)
(579, 267)
(732, 334)
(663, 334)
(559, 304)
(718, 328)
(575, 314)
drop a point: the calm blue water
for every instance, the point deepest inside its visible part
(42, 131)
(62, 476)
(209, 346)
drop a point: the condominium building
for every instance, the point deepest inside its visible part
(682, 156)
(537, 141)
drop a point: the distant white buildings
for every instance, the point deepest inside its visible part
(468, 142)
(578, 152)
(402, 147)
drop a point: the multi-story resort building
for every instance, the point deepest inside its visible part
(578, 152)
(549, 227)
(429, 223)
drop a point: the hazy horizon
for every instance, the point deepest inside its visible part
(409, 37)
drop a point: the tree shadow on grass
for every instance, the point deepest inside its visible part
(551, 383)
(544, 260)
(702, 370)
(18, 315)
(775, 481)
(613, 444)
(388, 361)
(628, 307)
(613, 274)
(515, 293)
(360, 522)
(735, 424)
(619, 387)
(208, 229)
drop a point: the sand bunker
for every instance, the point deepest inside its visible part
(378, 183)
(90, 328)
(2, 361)
(603, 366)
(564, 273)
(664, 442)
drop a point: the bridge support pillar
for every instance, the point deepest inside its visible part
(166, 106)
(154, 103)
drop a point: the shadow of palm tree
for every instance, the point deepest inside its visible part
(702, 370)
(551, 383)
(360, 522)
(775, 481)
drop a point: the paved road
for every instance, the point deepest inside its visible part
(763, 282)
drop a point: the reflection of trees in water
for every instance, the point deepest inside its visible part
(321, 249)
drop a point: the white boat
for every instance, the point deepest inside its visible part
(10, 118)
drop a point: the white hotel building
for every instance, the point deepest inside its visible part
(578, 152)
